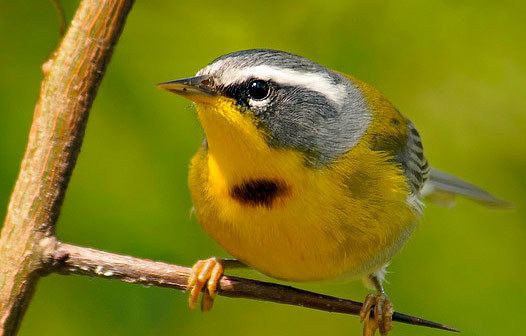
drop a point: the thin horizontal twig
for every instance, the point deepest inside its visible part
(71, 259)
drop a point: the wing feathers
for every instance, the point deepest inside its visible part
(412, 159)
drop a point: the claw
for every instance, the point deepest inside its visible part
(382, 314)
(366, 307)
(206, 302)
(204, 273)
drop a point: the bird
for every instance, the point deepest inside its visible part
(306, 174)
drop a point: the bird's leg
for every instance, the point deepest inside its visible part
(380, 306)
(207, 273)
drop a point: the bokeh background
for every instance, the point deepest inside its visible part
(457, 69)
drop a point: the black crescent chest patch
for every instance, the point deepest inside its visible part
(259, 192)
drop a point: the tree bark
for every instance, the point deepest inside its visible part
(71, 79)
(70, 259)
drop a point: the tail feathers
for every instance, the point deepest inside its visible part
(441, 188)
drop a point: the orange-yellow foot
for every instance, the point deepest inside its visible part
(205, 272)
(382, 318)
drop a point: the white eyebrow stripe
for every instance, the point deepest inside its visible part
(312, 81)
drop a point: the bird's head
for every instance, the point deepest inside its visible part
(277, 100)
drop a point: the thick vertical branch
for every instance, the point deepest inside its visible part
(71, 79)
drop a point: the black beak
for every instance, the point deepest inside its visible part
(194, 88)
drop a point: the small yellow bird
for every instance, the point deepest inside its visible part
(306, 174)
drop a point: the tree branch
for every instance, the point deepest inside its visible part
(70, 259)
(71, 79)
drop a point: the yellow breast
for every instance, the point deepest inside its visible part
(287, 219)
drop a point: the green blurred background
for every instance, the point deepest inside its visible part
(456, 68)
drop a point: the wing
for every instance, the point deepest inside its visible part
(412, 160)
(390, 132)
(434, 185)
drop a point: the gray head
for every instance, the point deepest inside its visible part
(300, 104)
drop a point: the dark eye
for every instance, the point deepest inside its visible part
(258, 89)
